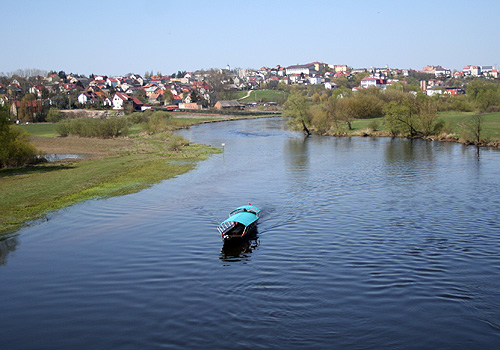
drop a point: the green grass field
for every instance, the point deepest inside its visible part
(40, 129)
(264, 96)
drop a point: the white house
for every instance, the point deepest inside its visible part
(315, 80)
(472, 70)
(434, 91)
(369, 82)
(112, 82)
(87, 97)
(442, 72)
(305, 69)
(119, 99)
(330, 85)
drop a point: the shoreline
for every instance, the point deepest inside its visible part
(495, 144)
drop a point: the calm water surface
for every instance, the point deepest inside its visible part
(363, 244)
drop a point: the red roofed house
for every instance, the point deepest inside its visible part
(32, 106)
(121, 99)
(472, 70)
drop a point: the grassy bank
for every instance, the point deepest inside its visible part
(111, 167)
(454, 126)
(264, 96)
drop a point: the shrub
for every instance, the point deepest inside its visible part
(139, 117)
(15, 148)
(460, 104)
(176, 142)
(54, 115)
(62, 128)
(86, 127)
(158, 122)
(373, 125)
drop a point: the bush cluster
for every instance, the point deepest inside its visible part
(87, 127)
(158, 122)
(15, 148)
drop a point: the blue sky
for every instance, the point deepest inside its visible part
(117, 37)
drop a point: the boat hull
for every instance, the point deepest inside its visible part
(239, 233)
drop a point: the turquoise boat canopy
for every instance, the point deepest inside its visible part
(245, 215)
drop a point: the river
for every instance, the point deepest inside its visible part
(363, 243)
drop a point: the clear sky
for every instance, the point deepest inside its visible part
(117, 37)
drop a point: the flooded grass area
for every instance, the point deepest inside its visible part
(110, 167)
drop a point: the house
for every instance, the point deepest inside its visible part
(435, 91)
(494, 73)
(36, 90)
(33, 106)
(88, 97)
(120, 100)
(330, 85)
(475, 71)
(442, 72)
(176, 99)
(137, 78)
(453, 91)
(107, 102)
(305, 69)
(228, 105)
(319, 66)
(315, 80)
(112, 82)
(190, 106)
(285, 80)
(294, 78)
(155, 97)
(371, 82)
(338, 67)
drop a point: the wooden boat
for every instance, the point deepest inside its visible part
(240, 224)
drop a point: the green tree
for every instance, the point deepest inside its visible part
(296, 108)
(474, 128)
(27, 110)
(15, 148)
(427, 116)
(360, 105)
(402, 117)
(194, 97)
(483, 94)
(320, 118)
(54, 115)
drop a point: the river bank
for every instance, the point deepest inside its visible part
(455, 129)
(105, 168)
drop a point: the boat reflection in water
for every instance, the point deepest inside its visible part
(237, 250)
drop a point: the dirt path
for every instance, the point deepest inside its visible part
(247, 95)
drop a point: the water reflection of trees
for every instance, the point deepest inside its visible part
(296, 152)
(410, 159)
(409, 151)
(7, 245)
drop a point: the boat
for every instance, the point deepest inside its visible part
(241, 223)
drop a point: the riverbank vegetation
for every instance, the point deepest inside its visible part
(15, 148)
(145, 153)
(400, 111)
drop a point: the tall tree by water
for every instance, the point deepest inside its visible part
(296, 108)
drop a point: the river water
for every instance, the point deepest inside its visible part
(363, 243)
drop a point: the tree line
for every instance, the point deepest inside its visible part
(406, 111)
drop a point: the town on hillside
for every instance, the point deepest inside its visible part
(30, 93)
